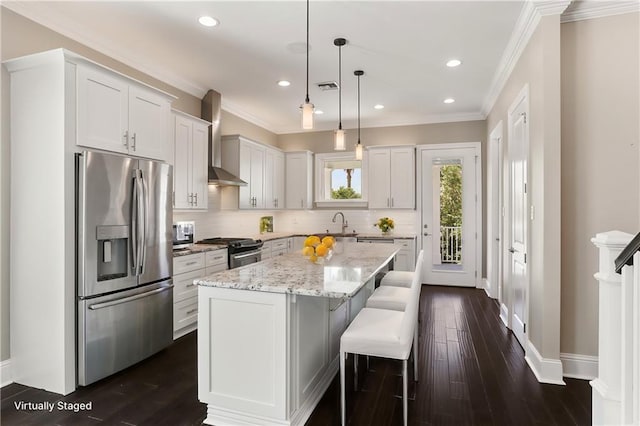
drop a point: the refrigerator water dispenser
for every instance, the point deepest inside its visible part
(113, 242)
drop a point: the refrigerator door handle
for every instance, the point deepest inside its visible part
(134, 223)
(142, 221)
(129, 299)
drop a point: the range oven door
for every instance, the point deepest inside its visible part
(122, 328)
(237, 260)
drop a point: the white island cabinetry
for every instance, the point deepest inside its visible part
(275, 363)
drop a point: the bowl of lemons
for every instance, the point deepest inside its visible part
(316, 249)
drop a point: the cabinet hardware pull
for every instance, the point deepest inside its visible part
(301, 203)
(196, 198)
(133, 139)
(126, 139)
(191, 263)
(190, 198)
(192, 311)
(391, 201)
(387, 202)
(190, 285)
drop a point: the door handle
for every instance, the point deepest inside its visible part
(512, 250)
(129, 299)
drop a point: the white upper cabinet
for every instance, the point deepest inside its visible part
(274, 179)
(120, 115)
(190, 162)
(260, 166)
(392, 178)
(299, 180)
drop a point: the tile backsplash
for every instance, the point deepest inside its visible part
(224, 220)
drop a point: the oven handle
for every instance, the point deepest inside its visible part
(129, 299)
(242, 256)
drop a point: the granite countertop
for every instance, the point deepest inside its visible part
(342, 275)
(268, 236)
(197, 248)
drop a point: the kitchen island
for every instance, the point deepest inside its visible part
(269, 332)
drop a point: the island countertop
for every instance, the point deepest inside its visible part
(342, 275)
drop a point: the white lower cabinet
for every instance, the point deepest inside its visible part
(186, 269)
(285, 345)
(406, 257)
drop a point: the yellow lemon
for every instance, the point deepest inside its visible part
(322, 250)
(307, 251)
(328, 241)
(313, 258)
(312, 241)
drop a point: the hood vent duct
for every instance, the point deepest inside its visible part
(211, 111)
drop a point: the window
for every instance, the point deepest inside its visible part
(340, 180)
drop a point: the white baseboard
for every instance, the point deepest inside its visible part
(6, 375)
(486, 286)
(578, 366)
(547, 370)
(504, 314)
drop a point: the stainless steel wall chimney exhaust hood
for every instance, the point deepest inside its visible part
(210, 111)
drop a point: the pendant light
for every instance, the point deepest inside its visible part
(358, 73)
(339, 143)
(307, 107)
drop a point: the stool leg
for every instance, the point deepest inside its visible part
(405, 407)
(355, 372)
(415, 355)
(343, 403)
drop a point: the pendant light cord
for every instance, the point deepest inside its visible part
(358, 108)
(307, 97)
(340, 87)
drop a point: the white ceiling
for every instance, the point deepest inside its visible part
(402, 46)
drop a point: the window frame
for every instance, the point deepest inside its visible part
(322, 194)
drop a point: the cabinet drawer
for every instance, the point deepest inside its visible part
(279, 244)
(188, 263)
(403, 243)
(216, 268)
(216, 257)
(185, 313)
(280, 252)
(183, 286)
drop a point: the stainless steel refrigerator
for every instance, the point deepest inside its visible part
(124, 261)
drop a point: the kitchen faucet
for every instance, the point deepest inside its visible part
(345, 224)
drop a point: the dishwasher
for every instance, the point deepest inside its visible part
(379, 240)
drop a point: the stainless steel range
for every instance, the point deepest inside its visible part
(242, 251)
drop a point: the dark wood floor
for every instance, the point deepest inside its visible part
(472, 371)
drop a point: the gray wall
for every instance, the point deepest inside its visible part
(539, 67)
(600, 179)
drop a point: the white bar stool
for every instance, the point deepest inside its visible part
(383, 333)
(397, 279)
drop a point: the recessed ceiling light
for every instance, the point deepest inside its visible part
(453, 63)
(284, 83)
(208, 21)
(449, 101)
(379, 106)
(318, 111)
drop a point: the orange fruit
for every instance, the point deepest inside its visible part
(328, 241)
(322, 250)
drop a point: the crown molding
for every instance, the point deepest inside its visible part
(238, 111)
(430, 119)
(590, 9)
(58, 23)
(530, 16)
